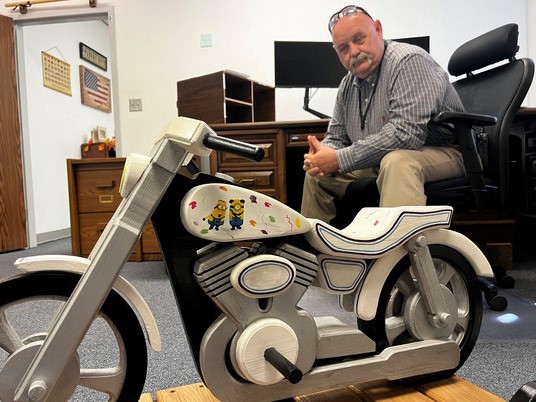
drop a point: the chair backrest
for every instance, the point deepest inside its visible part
(497, 91)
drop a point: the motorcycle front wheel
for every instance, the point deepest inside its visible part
(400, 297)
(112, 358)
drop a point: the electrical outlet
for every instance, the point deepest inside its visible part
(135, 105)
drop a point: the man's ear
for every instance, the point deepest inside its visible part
(378, 28)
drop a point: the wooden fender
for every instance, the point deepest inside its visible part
(68, 263)
(368, 297)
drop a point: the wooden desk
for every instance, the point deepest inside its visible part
(279, 174)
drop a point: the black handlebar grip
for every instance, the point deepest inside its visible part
(238, 148)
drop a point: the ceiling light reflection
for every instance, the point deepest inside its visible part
(507, 318)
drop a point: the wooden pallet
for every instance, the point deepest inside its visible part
(452, 389)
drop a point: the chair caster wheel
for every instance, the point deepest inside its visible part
(489, 288)
(505, 281)
(526, 393)
(497, 303)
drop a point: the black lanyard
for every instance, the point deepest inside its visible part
(363, 116)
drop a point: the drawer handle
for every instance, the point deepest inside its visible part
(303, 137)
(247, 182)
(106, 199)
(105, 184)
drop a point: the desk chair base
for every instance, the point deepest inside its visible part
(527, 393)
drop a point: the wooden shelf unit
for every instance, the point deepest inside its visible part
(93, 198)
(225, 97)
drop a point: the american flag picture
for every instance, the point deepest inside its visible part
(95, 90)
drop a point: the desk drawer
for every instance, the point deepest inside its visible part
(267, 141)
(91, 227)
(226, 159)
(299, 138)
(98, 190)
(531, 166)
(255, 180)
(530, 139)
(531, 196)
(149, 240)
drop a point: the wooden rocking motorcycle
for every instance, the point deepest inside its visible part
(239, 263)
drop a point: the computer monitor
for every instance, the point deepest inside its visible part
(307, 65)
(316, 64)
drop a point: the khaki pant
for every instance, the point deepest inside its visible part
(400, 180)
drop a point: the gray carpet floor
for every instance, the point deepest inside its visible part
(503, 360)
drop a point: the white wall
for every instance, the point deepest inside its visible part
(152, 57)
(58, 123)
(159, 44)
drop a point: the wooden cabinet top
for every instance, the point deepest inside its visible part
(321, 123)
(94, 161)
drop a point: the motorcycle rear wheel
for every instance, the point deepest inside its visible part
(113, 362)
(392, 326)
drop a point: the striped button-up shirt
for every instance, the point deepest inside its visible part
(411, 88)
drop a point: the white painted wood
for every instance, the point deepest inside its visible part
(205, 213)
(376, 231)
(367, 301)
(336, 339)
(263, 275)
(395, 362)
(340, 275)
(254, 341)
(71, 263)
(135, 165)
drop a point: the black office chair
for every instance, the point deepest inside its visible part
(491, 98)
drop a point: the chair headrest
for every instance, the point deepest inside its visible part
(487, 49)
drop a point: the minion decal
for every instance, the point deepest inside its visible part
(236, 213)
(217, 216)
(262, 217)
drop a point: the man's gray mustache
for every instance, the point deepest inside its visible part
(360, 58)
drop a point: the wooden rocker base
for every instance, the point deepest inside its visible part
(447, 390)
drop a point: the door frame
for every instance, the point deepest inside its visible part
(49, 16)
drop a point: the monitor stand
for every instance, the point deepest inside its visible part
(306, 99)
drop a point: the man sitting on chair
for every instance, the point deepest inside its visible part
(381, 121)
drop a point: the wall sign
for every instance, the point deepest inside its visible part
(93, 57)
(56, 74)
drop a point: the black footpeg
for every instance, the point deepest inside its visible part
(292, 373)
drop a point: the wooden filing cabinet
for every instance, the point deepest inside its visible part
(93, 198)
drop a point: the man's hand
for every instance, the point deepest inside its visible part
(320, 160)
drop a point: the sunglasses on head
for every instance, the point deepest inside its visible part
(345, 12)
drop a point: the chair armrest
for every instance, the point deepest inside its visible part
(471, 118)
(463, 124)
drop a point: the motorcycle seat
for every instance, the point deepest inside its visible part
(375, 231)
